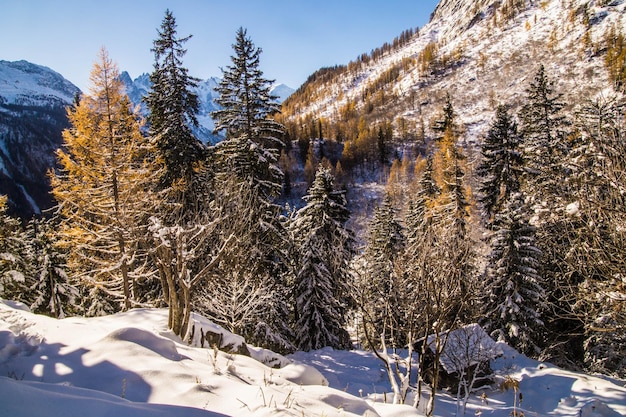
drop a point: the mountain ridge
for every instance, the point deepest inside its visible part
(481, 52)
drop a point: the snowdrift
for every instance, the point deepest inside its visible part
(130, 364)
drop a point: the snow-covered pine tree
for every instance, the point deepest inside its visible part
(253, 138)
(544, 128)
(500, 169)
(102, 188)
(546, 188)
(598, 246)
(378, 285)
(15, 261)
(325, 246)
(173, 107)
(52, 290)
(515, 299)
(248, 161)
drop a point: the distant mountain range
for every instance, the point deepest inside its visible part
(33, 115)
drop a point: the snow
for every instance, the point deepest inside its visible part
(130, 364)
(22, 82)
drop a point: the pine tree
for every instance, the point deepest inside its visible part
(545, 138)
(253, 138)
(247, 160)
(322, 282)
(15, 263)
(173, 107)
(546, 188)
(380, 288)
(102, 188)
(516, 298)
(54, 293)
(501, 166)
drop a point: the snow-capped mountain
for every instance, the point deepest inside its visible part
(33, 101)
(138, 88)
(481, 52)
(281, 91)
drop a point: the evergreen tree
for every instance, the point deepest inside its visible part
(516, 298)
(253, 139)
(546, 188)
(501, 166)
(545, 138)
(248, 160)
(15, 260)
(380, 289)
(102, 188)
(322, 282)
(54, 294)
(173, 107)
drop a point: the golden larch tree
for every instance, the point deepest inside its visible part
(103, 188)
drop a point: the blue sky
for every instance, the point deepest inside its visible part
(297, 36)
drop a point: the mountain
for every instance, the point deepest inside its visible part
(138, 88)
(33, 101)
(281, 91)
(481, 52)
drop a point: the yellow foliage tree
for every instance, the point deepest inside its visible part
(103, 187)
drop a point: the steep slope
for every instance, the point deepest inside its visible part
(481, 52)
(33, 102)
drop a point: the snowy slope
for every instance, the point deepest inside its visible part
(491, 59)
(24, 83)
(129, 364)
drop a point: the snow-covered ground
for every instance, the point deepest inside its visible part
(129, 364)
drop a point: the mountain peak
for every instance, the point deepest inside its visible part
(22, 82)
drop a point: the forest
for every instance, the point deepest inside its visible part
(527, 239)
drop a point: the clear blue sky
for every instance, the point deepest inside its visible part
(297, 36)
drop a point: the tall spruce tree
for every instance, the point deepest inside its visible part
(544, 128)
(546, 188)
(248, 160)
(322, 280)
(379, 286)
(173, 107)
(501, 166)
(253, 138)
(516, 297)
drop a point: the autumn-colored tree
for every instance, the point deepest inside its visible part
(102, 189)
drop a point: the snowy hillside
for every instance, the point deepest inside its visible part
(24, 83)
(481, 52)
(129, 364)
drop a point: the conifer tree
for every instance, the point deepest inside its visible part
(545, 139)
(501, 166)
(15, 264)
(102, 187)
(53, 292)
(516, 298)
(253, 138)
(173, 107)
(379, 285)
(248, 160)
(322, 280)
